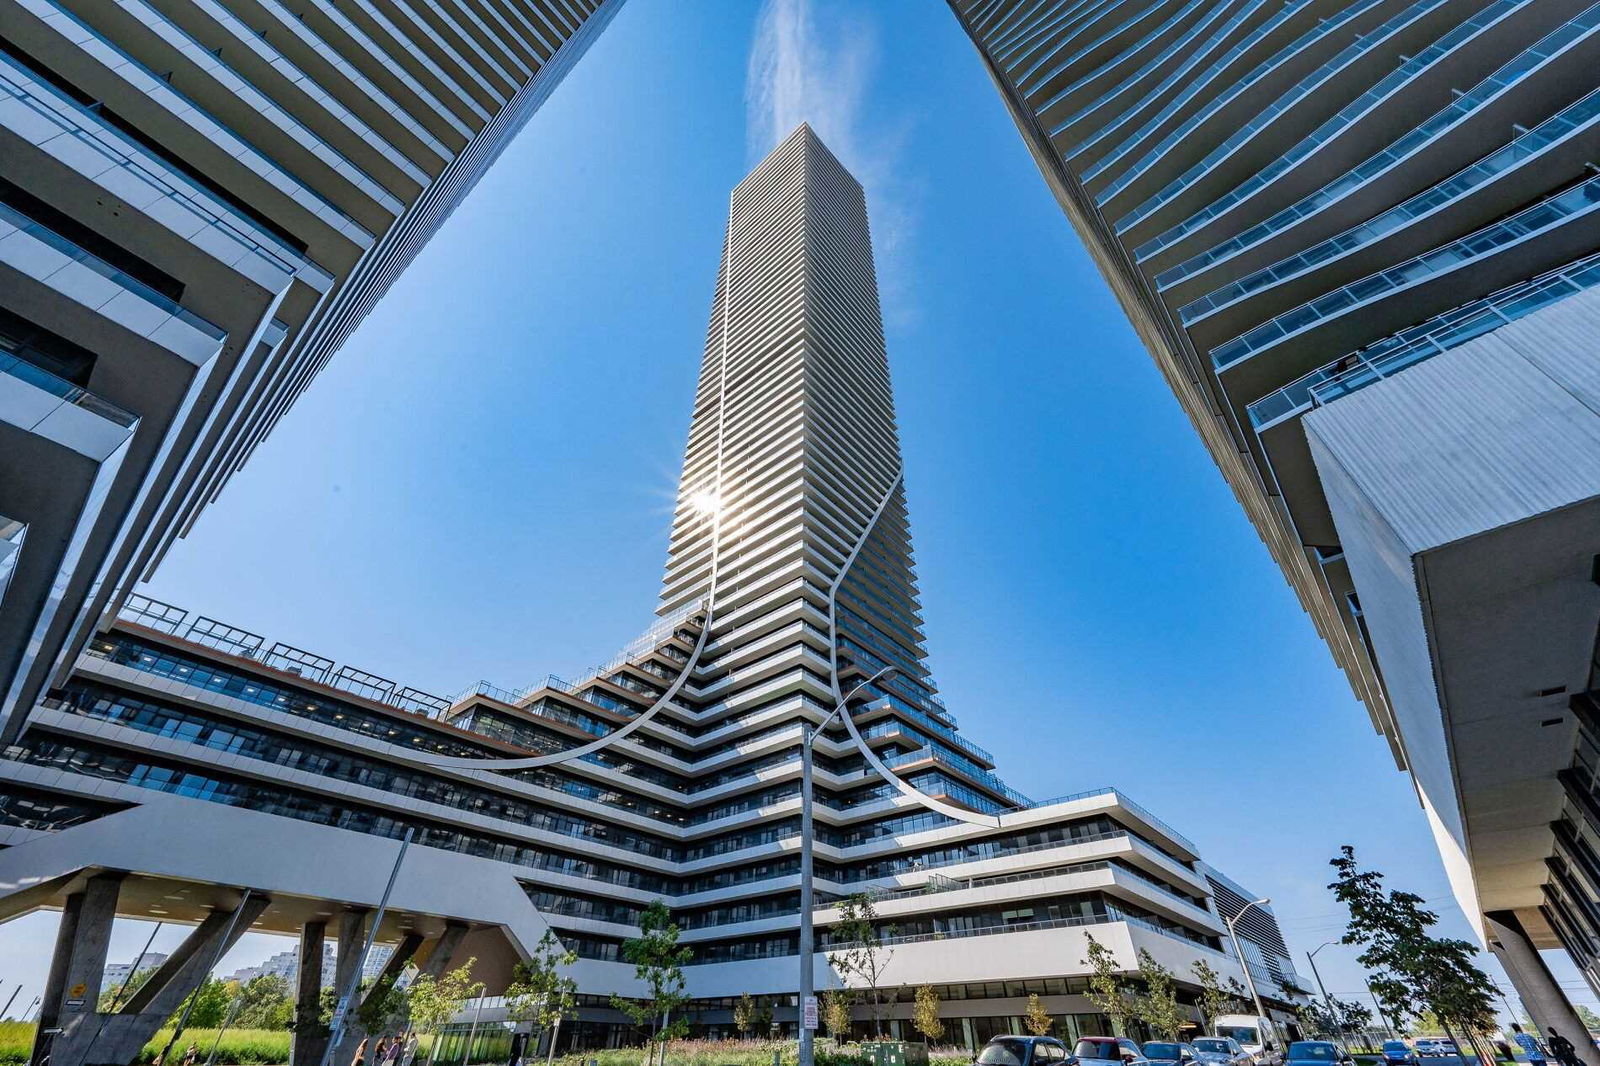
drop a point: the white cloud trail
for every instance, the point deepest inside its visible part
(820, 70)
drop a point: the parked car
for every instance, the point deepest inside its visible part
(1398, 1053)
(1221, 1051)
(1315, 1053)
(1023, 1051)
(1439, 1051)
(1259, 1036)
(1168, 1053)
(1099, 1050)
(1436, 1047)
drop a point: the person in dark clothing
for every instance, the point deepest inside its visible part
(1561, 1048)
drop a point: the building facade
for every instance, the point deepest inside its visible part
(198, 202)
(1360, 239)
(670, 772)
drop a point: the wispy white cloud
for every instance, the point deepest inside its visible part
(814, 63)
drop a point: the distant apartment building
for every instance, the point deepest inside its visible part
(118, 973)
(1361, 239)
(669, 772)
(198, 203)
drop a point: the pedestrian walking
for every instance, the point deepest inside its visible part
(1530, 1047)
(380, 1051)
(190, 1054)
(361, 1053)
(392, 1056)
(1562, 1049)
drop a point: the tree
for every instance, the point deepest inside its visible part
(265, 1004)
(836, 1012)
(744, 1014)
(1213, 1000)
(1157, 1006)
(211, 1002)
(1413, 971)
(539, 991)
(859, 951)
(435, 1000)
(925, 1014)
(1108, 988)
(658, 961)
(1037, 1020)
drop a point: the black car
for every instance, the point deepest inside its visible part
(1023, 1051)
(1315, 1053)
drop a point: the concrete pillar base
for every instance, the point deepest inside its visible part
(1535, 984)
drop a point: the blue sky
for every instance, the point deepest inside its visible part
(480, 485)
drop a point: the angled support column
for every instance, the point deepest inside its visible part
(118, 1038)
(1534, 982)
(72, 990)
(444, 949)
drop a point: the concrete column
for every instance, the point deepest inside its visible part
(1535, 984)
(72, 991)
(112, 1038)
(309, 1039)
(444, 949)
(352, 938)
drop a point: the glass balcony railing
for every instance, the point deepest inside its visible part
(1405, 147)
(1577, 201)
(1231, 93)
(345, 221)
(1178, 72)
(1121, 798)
(1582, 114)
(1423, 341)
(1343, 119)
(1099, 68)
(17, 367)
(44, 234)
(1302, 89)
(117, 148)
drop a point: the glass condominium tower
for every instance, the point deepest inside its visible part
(1361, 239)
(199, 201)
(670, 772)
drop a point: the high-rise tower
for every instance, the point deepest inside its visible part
(1361, 239)
(793, 450)
(670, 772)
(199, 201)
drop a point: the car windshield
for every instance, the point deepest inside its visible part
(1097, 1049)
(1003, 1053)
(1211, 1046)
(1162, 1051)
(1245, 1034)
(1395, 1045)
(1313, 1051)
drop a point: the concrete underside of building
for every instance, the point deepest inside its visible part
(1360, 239)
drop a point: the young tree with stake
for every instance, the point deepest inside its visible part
(658, 961)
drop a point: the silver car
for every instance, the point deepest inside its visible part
(1221, 1051)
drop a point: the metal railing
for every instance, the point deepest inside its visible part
(1423, 341)
(83, 257)
(40, 378)
(208, 632)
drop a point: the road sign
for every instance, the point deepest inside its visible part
(809, 1013)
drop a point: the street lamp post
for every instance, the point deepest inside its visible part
(1250, 982)
(807, 945)
(1333, 1012)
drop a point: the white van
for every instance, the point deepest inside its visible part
(1261, 1037)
